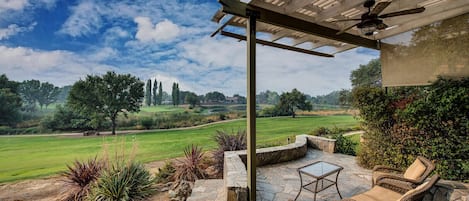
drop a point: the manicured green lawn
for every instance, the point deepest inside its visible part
(161, 108)
(31, 157)
(355, 138)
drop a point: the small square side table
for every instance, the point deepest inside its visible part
(319, 170)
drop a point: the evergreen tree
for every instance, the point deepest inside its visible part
(148, 93)
(177, 94)
(160, 94)
(155, 95)
(173, 94)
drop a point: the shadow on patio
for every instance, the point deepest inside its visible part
(281, 181)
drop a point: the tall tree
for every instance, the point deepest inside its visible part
(155, 94)
(215, 97)
(192, 99)
(368, 75)
(107, 96)
(291, 101)
(29, 91)
(10, 101)
(177, 94)
(173, 94)
(47, 94)
(148, 93)
(160, 94)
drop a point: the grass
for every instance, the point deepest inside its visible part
(34, 156)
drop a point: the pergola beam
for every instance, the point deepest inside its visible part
(240, 9)
(277, 45)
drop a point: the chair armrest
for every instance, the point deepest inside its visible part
(385, 168)
(395, 177)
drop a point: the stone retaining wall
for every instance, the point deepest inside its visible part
(235, 174)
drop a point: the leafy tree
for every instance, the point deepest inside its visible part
(291, 101)
(368, 75)
(29, 91)
(345, 97)
(10, 101)
(215, 97)
(148, 93)
(155, 94)
(107, 96)
(241, 99)
(268, 97)
(64, 91)
(160, 94)
(192, 99)
(47, 94)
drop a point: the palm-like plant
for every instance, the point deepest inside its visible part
(190, 168)
(228, 142)
(81, 175)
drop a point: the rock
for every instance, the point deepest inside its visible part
(212, 172)
(180, 191)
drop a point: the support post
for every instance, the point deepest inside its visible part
(251, 104)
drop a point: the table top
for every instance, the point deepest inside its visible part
(320, 169)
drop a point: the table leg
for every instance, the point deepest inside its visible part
(301, 185)
(316, 189)
(336, 186)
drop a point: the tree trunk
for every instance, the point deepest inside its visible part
(113, 125)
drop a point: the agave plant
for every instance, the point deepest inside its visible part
(81, 175)
(123, 182)
(190, 168)
(228, 142)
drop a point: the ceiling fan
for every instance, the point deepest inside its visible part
(371, 20)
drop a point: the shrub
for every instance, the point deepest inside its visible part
(344, 145)
(146, 122)
(190, 168)
(228, 142)
(430, 121)
(321, 131)
(81, 175)
(123, 182)
(166, 173)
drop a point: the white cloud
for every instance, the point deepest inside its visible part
(14, 29)
(163, 31)
(12, 5)
(85, 19)
(58, 67)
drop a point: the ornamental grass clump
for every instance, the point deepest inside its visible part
(191, 167)
(228, 142)
(81, 175)
(123, 182)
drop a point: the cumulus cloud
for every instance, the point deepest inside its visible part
(12, 5)
(163, 31)
(14, 29)
(58, 67)
(85, 19)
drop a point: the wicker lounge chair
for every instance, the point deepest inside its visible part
(403, 181)
(379, 193)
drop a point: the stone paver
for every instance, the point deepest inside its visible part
(208, 190)
(282, 182)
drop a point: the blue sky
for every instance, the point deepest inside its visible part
(61, 41)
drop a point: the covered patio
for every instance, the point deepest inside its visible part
(325, 28)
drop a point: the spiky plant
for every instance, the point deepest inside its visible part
(81, 175)
(228, 142)
(123, 182)
(190, 168)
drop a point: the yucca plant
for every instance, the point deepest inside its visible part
(190, 168)
(123, 182)
(81, 175)
(228, 142)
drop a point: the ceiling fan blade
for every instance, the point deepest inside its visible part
(380, 7)
(403, 12)
(345, 20)
(346, 29)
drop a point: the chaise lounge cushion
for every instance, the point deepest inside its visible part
(378, 193)
(415, 170)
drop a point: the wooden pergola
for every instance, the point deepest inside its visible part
(317, 23)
